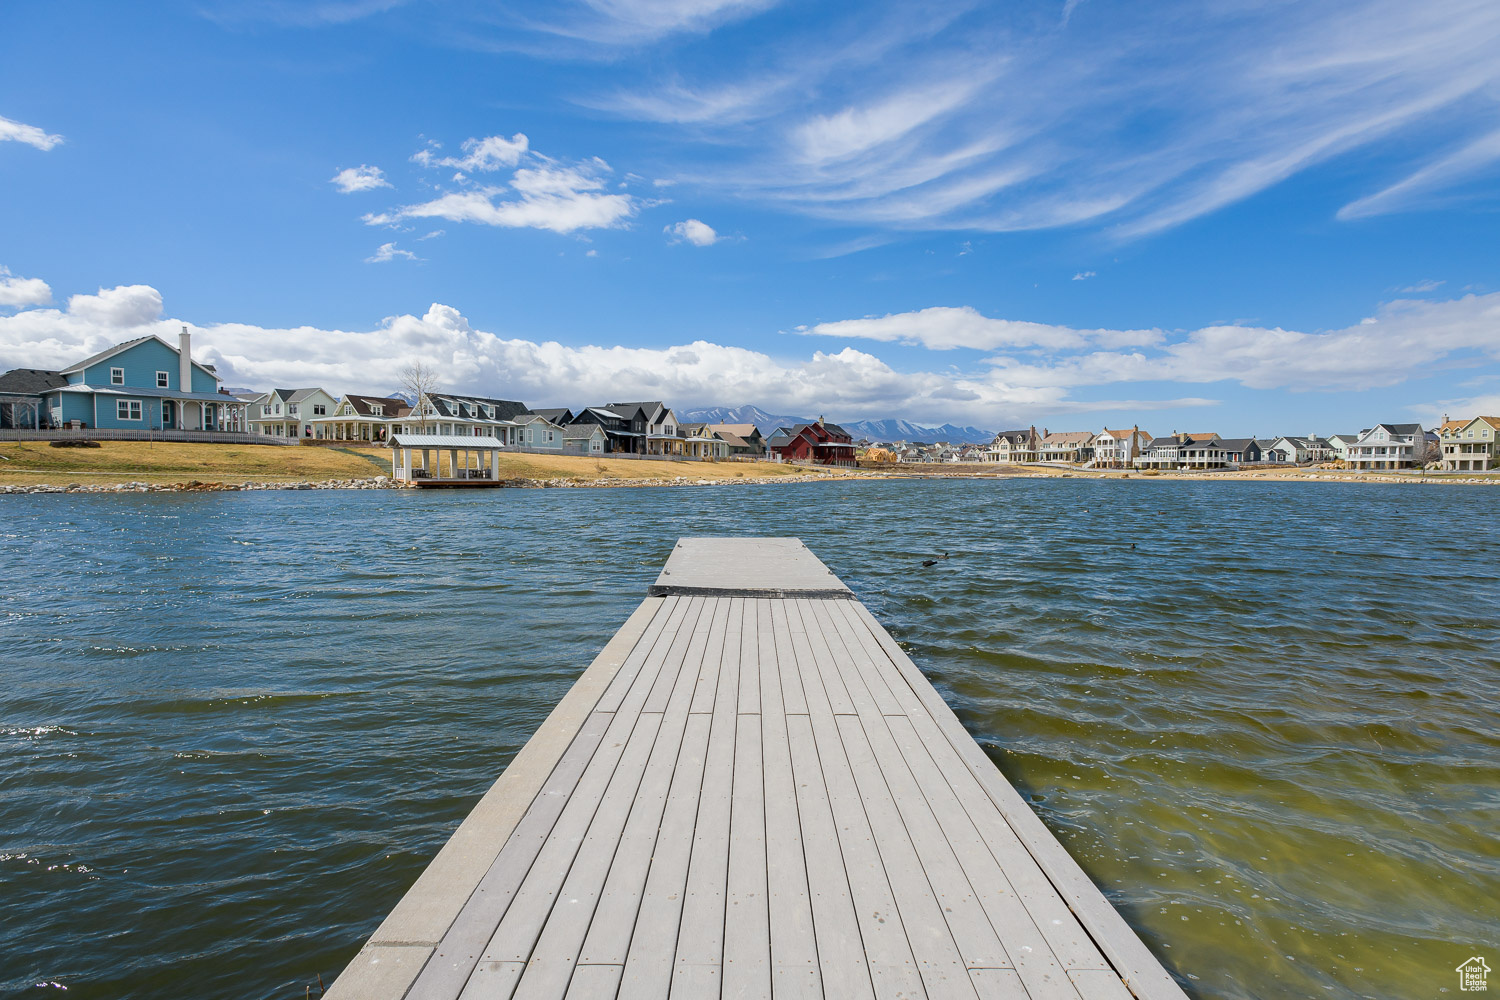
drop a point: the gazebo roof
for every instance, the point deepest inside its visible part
(471, 442)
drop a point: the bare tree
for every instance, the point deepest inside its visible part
(419, 381)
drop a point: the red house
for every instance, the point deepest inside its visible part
(819, 443)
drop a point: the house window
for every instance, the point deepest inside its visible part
(128, 409)
(319, 410)
(117, 376)
(278, 408)
(378, 411)
(291, 409)
(265, 409)
(161, 380)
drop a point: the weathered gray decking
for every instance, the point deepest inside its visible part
(752, 792)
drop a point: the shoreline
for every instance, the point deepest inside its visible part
(156, 484)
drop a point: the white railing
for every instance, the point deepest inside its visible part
(123, 434)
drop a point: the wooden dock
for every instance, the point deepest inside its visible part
(752, 792)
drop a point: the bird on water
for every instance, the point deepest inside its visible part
(934, 562)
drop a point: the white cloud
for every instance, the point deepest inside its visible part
(1084, 275)
(1423, 184)
(480, 155)
(435, 234)
(1407, 339)
(561, 199)
(20, 292)
(551, 195)
(942, 328)
(122, 307)
(699, 234)
(13, 131)
(1423, 287)
(388, 252)
(361, 178)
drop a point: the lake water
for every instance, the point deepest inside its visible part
(235, 727)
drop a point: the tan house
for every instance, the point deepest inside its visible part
(1015, 447)
(1071, 447)
(744, 439)
(1471, 445)
(1118, 449)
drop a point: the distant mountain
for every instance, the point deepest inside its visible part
(875, 430)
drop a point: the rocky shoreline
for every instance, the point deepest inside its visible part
(386, 483)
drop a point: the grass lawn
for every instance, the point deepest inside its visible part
(29, 463)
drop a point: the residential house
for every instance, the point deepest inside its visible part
(744, 439)
(1240, 451)
(1118, 449)
(1172, 452)
(1339, 445)
(142, 384)
(365, 418)
(1389, 446)
(1070, 447)
(656, 426)
(702, 442)
(616, 427)
(1266, 454)
(1015, 447)
(536, 431)
(1301, 450)
(1202, 452)
(560, 415)
(470, 416)
(819, 443)
(1472, 447)
(21, 392)
(288, 412)
(584, 439)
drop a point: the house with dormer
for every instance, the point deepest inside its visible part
(1389, 446)
(289, 413)
(1015, 447)
(362, 418)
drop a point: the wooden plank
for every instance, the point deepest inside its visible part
(747, 922)
(608, 940)
(794, 953)
(653, 945)
(1031, 954)
(1141, 971)
(879, 929)
(594, 982)
(842, 962)
(665, 622)
(1096, 985)
(999, 984)
(687, 639)
(457, 954)
(570, 867)
(793, 698)
(947, 927)
(749, 691)
(864, 652)
(713, 658)
(813, 632)
(698, 967)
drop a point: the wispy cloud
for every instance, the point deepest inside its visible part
(1423, 287)
(351, 180)
(994, 123)
(13, 131)
(480, 155)
(388, 252)
(699, 234)
(1085, 275)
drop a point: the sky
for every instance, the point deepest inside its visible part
(1248, 217)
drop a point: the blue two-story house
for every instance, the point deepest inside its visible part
(142, 384)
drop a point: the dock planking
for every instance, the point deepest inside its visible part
(753, 792)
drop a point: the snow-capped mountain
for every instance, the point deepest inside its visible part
(875, 430)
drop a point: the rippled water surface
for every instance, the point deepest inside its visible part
(235, 727)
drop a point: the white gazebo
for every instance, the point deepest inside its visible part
(472, 461)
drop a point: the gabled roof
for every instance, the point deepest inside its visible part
(731, 439)
(120, 348)
(391, 406)
(650, 409)
(579, 431)
(1068, 437)
(1236, 444)
(447, 404)
(30, 381)
(1402, 428)
(738, 430)
(558, 415)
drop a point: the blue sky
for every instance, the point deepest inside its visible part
(1256, 218)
